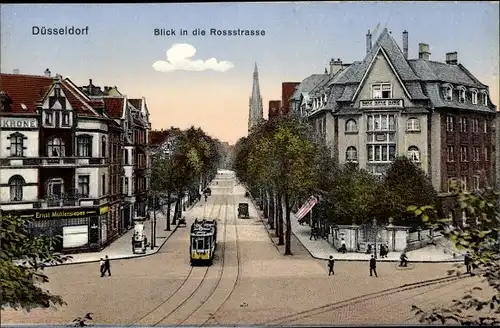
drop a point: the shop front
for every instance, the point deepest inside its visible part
(79, 228)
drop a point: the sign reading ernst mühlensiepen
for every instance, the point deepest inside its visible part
(19, 122)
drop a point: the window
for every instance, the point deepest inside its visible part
(49, 118)
(84, 146)
(476, 154)
(378, 122)
(414, 154)
(463, 124)
(485, 126)
(450, 123)
(351, 126)
(103, 145)
(103, 184)
(382, 91)
(461, 95)
(474, 97)
(485, 99)
(57, 92)
(83, 185)
(65, 118)
(451, 153)
(464, 182)
(351, 154)
(56, 147)
(55, 188)
(413, 124)
(381, 138)
(475, 125)
(16, 144)
(485, 153)
(16, 183)
(475, 181)
(125, 156)
(448, 93)
(126, 191)
(463, 154)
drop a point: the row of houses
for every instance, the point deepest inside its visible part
(75, 159)
(436, 112)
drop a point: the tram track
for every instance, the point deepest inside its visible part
(238, 259)
(289, 319)
(183, 312)
(193, 274)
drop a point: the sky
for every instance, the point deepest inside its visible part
(206, 80)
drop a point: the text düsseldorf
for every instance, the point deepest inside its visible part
(42, 30)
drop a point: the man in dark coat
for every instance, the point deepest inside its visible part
(467, 261)
(106, 266)
(373, 266)
(331, 262)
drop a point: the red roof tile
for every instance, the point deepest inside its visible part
(156, 138)
(25, 89)
(113, 106)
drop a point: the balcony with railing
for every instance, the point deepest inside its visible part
(52, 161)
(381, 103)
(73, 199)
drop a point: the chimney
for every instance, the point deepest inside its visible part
(423, 51)
(47, 73)
(452, 58)
(405, 44)
(90, 81)
(368, 42)
(15, 71)
(335, 66)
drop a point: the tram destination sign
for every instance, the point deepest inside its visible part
(19, 122)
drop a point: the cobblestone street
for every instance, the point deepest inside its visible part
(254, 284)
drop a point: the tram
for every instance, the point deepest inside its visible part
(203, 241)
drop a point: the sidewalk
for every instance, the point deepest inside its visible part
(121, 248)
(322, 249)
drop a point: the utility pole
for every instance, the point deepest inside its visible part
(152, 231)
(375, 229)
(154, 220)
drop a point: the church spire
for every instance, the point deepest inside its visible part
(255, 112)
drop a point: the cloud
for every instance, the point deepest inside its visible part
(179, 58)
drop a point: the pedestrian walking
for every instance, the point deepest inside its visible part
(373, 266)
(331, 262)
(101, 267)
(106, 267)
(312, 234)
(467, 261)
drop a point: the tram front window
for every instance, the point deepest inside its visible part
(199, 244)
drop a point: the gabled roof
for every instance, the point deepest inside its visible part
(137, 103)
(394, 55)
(25, 89)
(373, 57)
(78, 100)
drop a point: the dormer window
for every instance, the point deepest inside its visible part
(461, 95)
(448, 93)
(485, 99)
(474, 97)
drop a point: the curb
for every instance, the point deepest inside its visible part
(262, 219)
(363, 260)
(128, 257)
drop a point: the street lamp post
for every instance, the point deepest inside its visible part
(375, 229)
